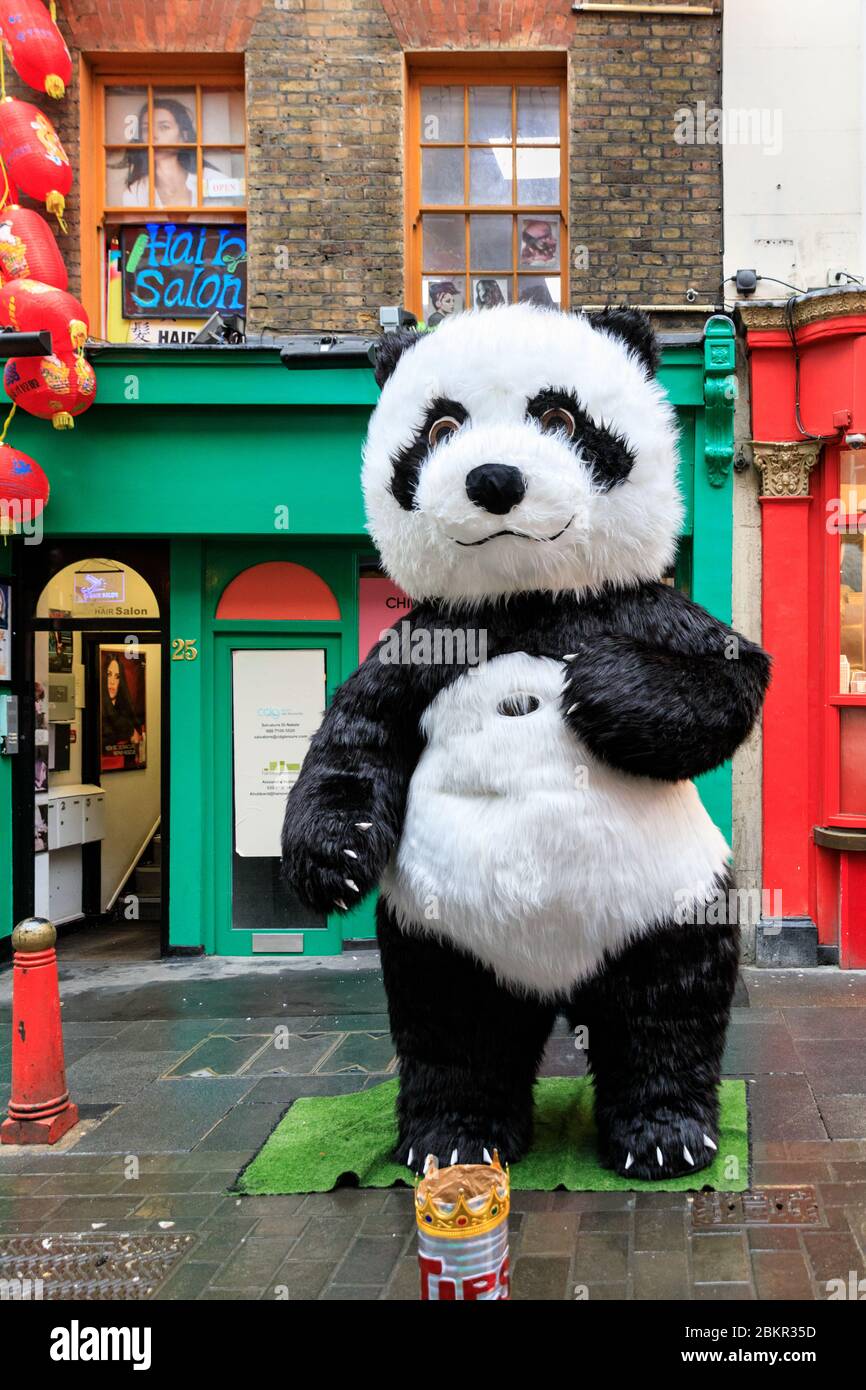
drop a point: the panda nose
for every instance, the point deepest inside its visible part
(497, 487)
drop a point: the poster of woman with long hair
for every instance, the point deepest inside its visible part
(123, 714)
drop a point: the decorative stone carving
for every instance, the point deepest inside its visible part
(785, 466)
(813, 307)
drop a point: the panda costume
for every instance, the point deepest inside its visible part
(513, 766)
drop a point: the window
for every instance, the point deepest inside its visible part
(168, 193)
(487, 192)
(847, 586)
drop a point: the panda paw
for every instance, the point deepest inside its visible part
(339, 869)
(653, 1147)
(449, 1146)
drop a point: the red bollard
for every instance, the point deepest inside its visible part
(40, 1111)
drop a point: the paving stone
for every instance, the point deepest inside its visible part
(782, 1274)
(152, 1183)
(550, 1233)
(842, 1024)
(222, 1238)
(294, 1054)
(162, 1035)
(660, 1274)
(367, 1053)
(351, 1293)
(220, 1055)
(538, 1277)
(168, 1116)
(285, 1089)
(174, 1206)
(849, 1172)
(835, 1194)
(783, 1107)
(32, 1210)
(405, 1283)
(187, 1282)
(103, 1075)
(535, 1201)
(255, 1262)
(606, 1221)
(248, 1124)
(785, 1174)
(351, 1023)
(752, 1048)
(370, 1260)
(601, 1259)
(562, 1058)
(719, 1258)
(814, 988)
(773, 1238)
(844, 1116)
(325, 1238)
(349, 1201)
(601, 1293)
(99, 1208)
(833, 1067)
(718, 1293)
(659, 1228)
(831, 1254)
(219, 1294)
(75, 1184)
(390, 1223)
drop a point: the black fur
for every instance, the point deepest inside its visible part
(605, 451)
(407, 465)
(635, 329)
(388, 351)
(656, 687)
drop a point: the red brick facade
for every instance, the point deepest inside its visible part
(325, 101)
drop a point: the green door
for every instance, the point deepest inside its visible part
(271, 691)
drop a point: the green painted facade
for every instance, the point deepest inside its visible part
(236, 460)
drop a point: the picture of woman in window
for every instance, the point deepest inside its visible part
(175, 181)
(488, 294)
(538, 245)
(122, 738)
(445, 298)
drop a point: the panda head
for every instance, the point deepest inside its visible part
(520, 449)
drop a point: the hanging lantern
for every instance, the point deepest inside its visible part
(34, 156)
(24, 489)
(53, 388)
(28, 249)
(28, 306)
(35, 46)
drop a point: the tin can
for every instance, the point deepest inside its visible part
(462, 1217)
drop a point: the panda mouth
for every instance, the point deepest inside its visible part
(521, 535)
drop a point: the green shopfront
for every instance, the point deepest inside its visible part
(205, 536)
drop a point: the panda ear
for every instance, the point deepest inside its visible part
(385, 354)
(634, 328)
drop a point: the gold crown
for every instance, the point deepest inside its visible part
(467, 1216)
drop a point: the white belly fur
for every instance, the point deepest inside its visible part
(521, 848)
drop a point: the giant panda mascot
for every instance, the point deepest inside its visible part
(515, 771)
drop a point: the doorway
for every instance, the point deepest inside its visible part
(92, 776)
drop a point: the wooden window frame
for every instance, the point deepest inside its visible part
(96, 73)
(834, 702)
(500, 71)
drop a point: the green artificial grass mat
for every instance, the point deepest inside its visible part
(322, 1140)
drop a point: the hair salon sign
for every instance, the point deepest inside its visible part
(183, 271)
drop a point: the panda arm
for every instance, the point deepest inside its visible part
(344, 813)
(658, 687)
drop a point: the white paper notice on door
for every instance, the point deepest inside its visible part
(278, 700)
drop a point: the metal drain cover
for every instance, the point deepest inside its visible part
(87, 1266)
(765, 1206)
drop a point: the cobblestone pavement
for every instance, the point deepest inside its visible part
(174, 1064)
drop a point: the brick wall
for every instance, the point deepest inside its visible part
(325, 163)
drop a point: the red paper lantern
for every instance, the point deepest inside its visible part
(35, 46)
(34, 156)
(54, 388)
(28, 249)
(29, 306)
(24, 488)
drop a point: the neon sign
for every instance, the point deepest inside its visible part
(188, 271)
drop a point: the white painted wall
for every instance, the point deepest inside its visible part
(797, 213)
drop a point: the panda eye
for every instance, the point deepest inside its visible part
(557, 420)
(442, 429)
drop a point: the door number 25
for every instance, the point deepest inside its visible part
(184, 649)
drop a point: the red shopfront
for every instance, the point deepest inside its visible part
(808, 381)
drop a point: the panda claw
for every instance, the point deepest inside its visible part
(350, 853)
(709, 1143)
(571, 709)
(687, 1156)
(410, 1158)
(660, 1157)
(454, 1158)
(350, 883)
(430, 1164)
(628, 1162)
(486, 1156)
(570, 657)
(342, 905)
(363, 825)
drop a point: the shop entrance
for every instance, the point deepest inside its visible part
(272, 693)
(95, 780)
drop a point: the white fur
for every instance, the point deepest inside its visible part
(492, 362)
(520, 847)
